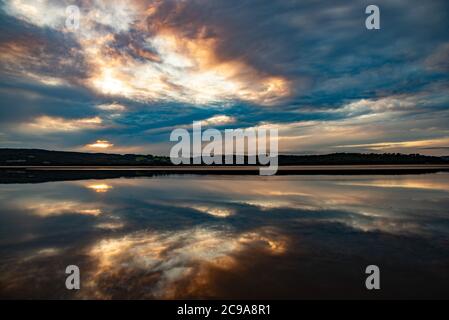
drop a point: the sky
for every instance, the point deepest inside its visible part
(134, 70)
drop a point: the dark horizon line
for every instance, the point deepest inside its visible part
(234, 154)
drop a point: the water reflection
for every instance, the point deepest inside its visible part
(214, 211)
(226, 237)
(158, 261)
(45, 208)
(99, 187)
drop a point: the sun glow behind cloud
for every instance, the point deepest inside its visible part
(100, 144)
(186, 72)
(167, 66)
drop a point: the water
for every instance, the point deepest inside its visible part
(187, 236)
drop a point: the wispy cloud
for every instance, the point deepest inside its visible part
(56, 124)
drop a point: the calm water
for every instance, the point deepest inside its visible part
(192, 236)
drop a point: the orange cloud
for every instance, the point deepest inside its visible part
(100, 144)
(166, 65)
(58, 124)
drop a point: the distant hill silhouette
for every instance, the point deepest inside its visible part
(360, 159)
(38, 157)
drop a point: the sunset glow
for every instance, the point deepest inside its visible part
(100, 144)
(134, 71)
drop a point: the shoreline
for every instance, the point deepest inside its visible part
(40, 174)
(236, 168)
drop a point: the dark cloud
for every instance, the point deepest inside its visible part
(40, 51)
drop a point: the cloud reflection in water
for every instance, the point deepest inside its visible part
(224, 236)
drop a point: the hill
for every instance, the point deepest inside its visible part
(38, 157)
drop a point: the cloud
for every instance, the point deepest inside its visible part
(145, 67)
(114, 107)
(406, 123)
(218, 120)
(121, 146)
(55, 124)
(100, 144)
(382, 105)
(166, 65)
(386, 146)
(439, 60)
